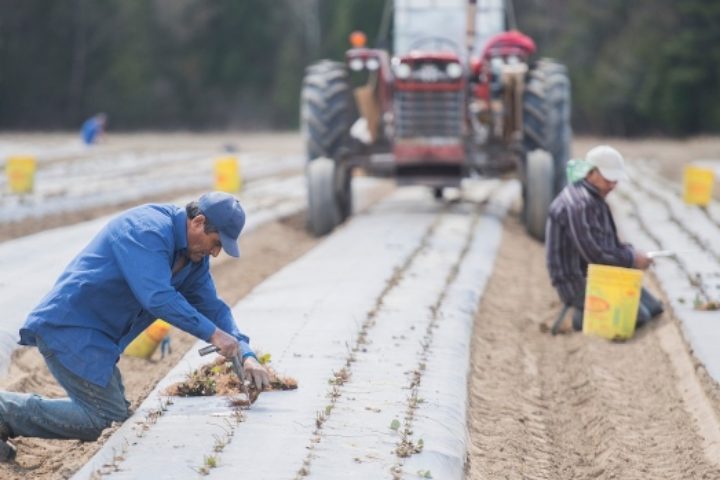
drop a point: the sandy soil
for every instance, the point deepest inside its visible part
(572, 406)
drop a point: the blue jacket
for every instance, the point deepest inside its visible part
(89, 130)
(119, 284)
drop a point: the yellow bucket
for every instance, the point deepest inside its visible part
(20, 171)
(227, 175)
(147, 342)
(612, 298)
(698, 185)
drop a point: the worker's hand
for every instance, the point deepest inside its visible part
(227, 344)
(256, 373)
(642, 261)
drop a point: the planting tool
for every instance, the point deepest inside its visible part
(661, 253)
(236, 366)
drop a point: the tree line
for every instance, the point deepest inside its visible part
(637, 68)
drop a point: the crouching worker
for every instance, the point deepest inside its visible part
(93, 129)
(580, 230)
(149, 262)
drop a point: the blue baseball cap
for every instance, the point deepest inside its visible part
(224, 212)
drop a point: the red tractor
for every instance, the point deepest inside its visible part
(435, 113)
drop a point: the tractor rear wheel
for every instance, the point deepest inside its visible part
(537, 192)
(327, 110)
(546, 115)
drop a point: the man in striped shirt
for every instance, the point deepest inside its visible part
(580, 230)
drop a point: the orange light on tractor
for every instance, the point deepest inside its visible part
(358, 39)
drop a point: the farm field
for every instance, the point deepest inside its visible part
(439, 312)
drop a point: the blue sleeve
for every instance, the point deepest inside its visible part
(200, 291)
(143, 256)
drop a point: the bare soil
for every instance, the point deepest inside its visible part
(572, 406)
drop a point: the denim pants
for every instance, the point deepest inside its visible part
(83, 415)
(649, 307)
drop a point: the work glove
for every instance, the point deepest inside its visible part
(256, 373)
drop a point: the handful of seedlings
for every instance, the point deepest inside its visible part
(219, 378)
(710, 305)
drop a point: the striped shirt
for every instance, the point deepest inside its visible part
(580, 230)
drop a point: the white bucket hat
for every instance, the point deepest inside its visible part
(608, 161)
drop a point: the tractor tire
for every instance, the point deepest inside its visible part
(343, 190)
(329, 195)
(327, 110)
(538, 192)
(546, 116)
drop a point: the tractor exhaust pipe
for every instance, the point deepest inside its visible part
(470, 30)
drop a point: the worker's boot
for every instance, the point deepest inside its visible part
(7, 450)
(577, 320)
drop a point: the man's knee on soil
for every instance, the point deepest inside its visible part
(91, 434)
(651, 303)
(100, 424)
(102, 420)
(643, 316)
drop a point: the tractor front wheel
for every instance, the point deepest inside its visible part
(537, 192)
(329, 195)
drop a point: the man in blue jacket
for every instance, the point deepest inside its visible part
(93, 128)
(149, 262)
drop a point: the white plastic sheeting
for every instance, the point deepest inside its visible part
(390, 295)
(654, 205)
(442, 415)
(109, 179)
